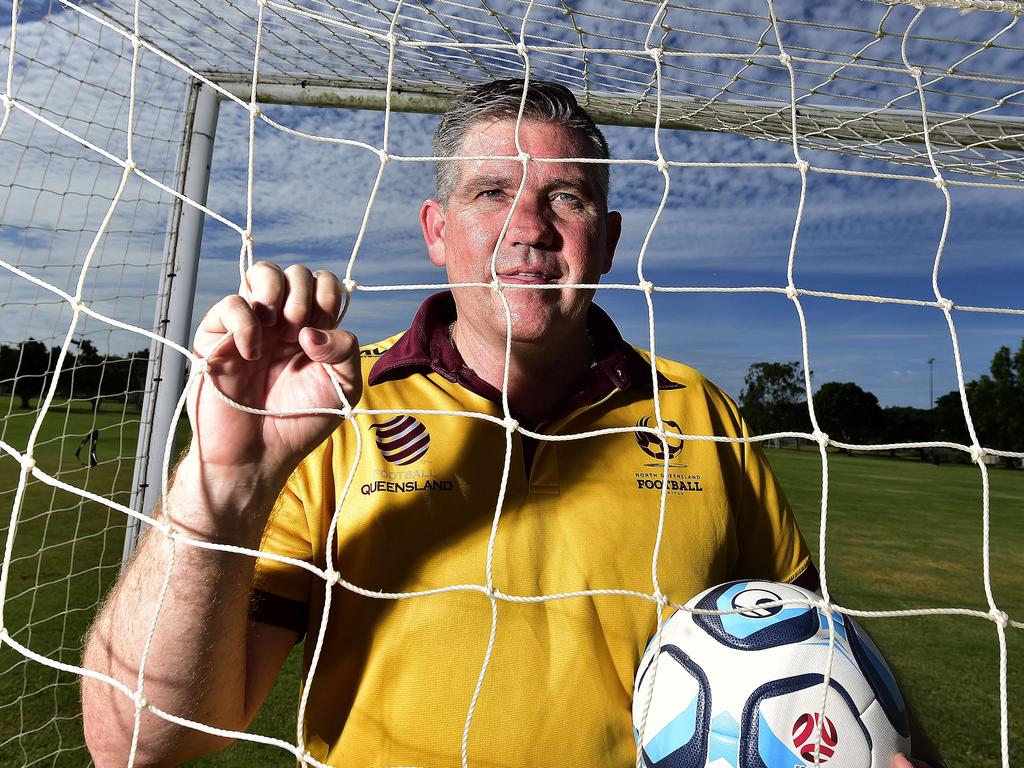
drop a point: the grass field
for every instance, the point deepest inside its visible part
(904, 534)
(901, 534)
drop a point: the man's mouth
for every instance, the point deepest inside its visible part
(526, 278)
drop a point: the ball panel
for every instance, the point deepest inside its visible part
(675, 733)
(724, 742)
(886, 741)
(879, 677)
(757, 627)
(781, 726)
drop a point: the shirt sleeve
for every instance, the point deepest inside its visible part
(770, 543)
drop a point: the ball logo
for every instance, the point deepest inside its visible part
(651, 444)
(754, 600)
(805, 737)
(402, 440)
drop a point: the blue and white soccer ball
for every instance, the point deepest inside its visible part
(743, 690)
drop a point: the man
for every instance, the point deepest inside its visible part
(446, 511)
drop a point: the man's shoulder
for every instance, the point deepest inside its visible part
(685, 377)
(370, 352)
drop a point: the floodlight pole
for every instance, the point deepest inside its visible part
(166, 376)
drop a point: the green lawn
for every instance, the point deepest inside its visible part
(66, 553)
(902, 534)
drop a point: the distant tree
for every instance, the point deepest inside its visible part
(950, 425)
(26, 370)
(903, 424)
(124, 377)
(773, 398)
(8, 365)
(848, 413)
(997, 401)
(87, 372)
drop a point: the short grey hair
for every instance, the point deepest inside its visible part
(500, 100)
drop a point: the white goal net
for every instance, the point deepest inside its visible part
(107, 140)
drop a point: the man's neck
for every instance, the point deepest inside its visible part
(541, 374)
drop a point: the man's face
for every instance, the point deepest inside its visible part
(559, 232)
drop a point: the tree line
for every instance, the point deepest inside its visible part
(774, 400)
(27, 369)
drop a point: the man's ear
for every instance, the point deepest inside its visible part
(613, 229)
(432, 223)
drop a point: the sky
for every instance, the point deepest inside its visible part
(721, 227)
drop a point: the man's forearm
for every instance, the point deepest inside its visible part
(196, 666)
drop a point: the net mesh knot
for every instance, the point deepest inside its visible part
(786, 59)
(945, 304)
(662, 164)
(28, 463)
(977, 454)
(511, 424)
(140, 700)
(803, 166)
(647, 287)
(820, 437)
(349, 285)
(792, 292)
(1002, 618)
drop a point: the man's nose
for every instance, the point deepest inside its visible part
(531, 223)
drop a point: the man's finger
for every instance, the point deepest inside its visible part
(330, 347)
(298, 304)
(266, 290)
(327, 294)
(340, 350)
(233, 315)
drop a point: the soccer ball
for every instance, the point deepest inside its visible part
(743, 689)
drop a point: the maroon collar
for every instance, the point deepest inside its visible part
(426, 345)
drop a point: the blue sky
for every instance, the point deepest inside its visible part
(721, 227)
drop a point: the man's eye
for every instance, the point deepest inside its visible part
(491, 193)
(567, 197)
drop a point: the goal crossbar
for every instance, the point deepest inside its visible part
(841, 128)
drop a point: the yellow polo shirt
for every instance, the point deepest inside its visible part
(396, 676)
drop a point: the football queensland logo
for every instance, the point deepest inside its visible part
(677, 478)
(402, 440)
(651, 444)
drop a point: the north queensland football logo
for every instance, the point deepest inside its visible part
(805, 736)
(402, 440)
(754, 600)
(651, 444)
